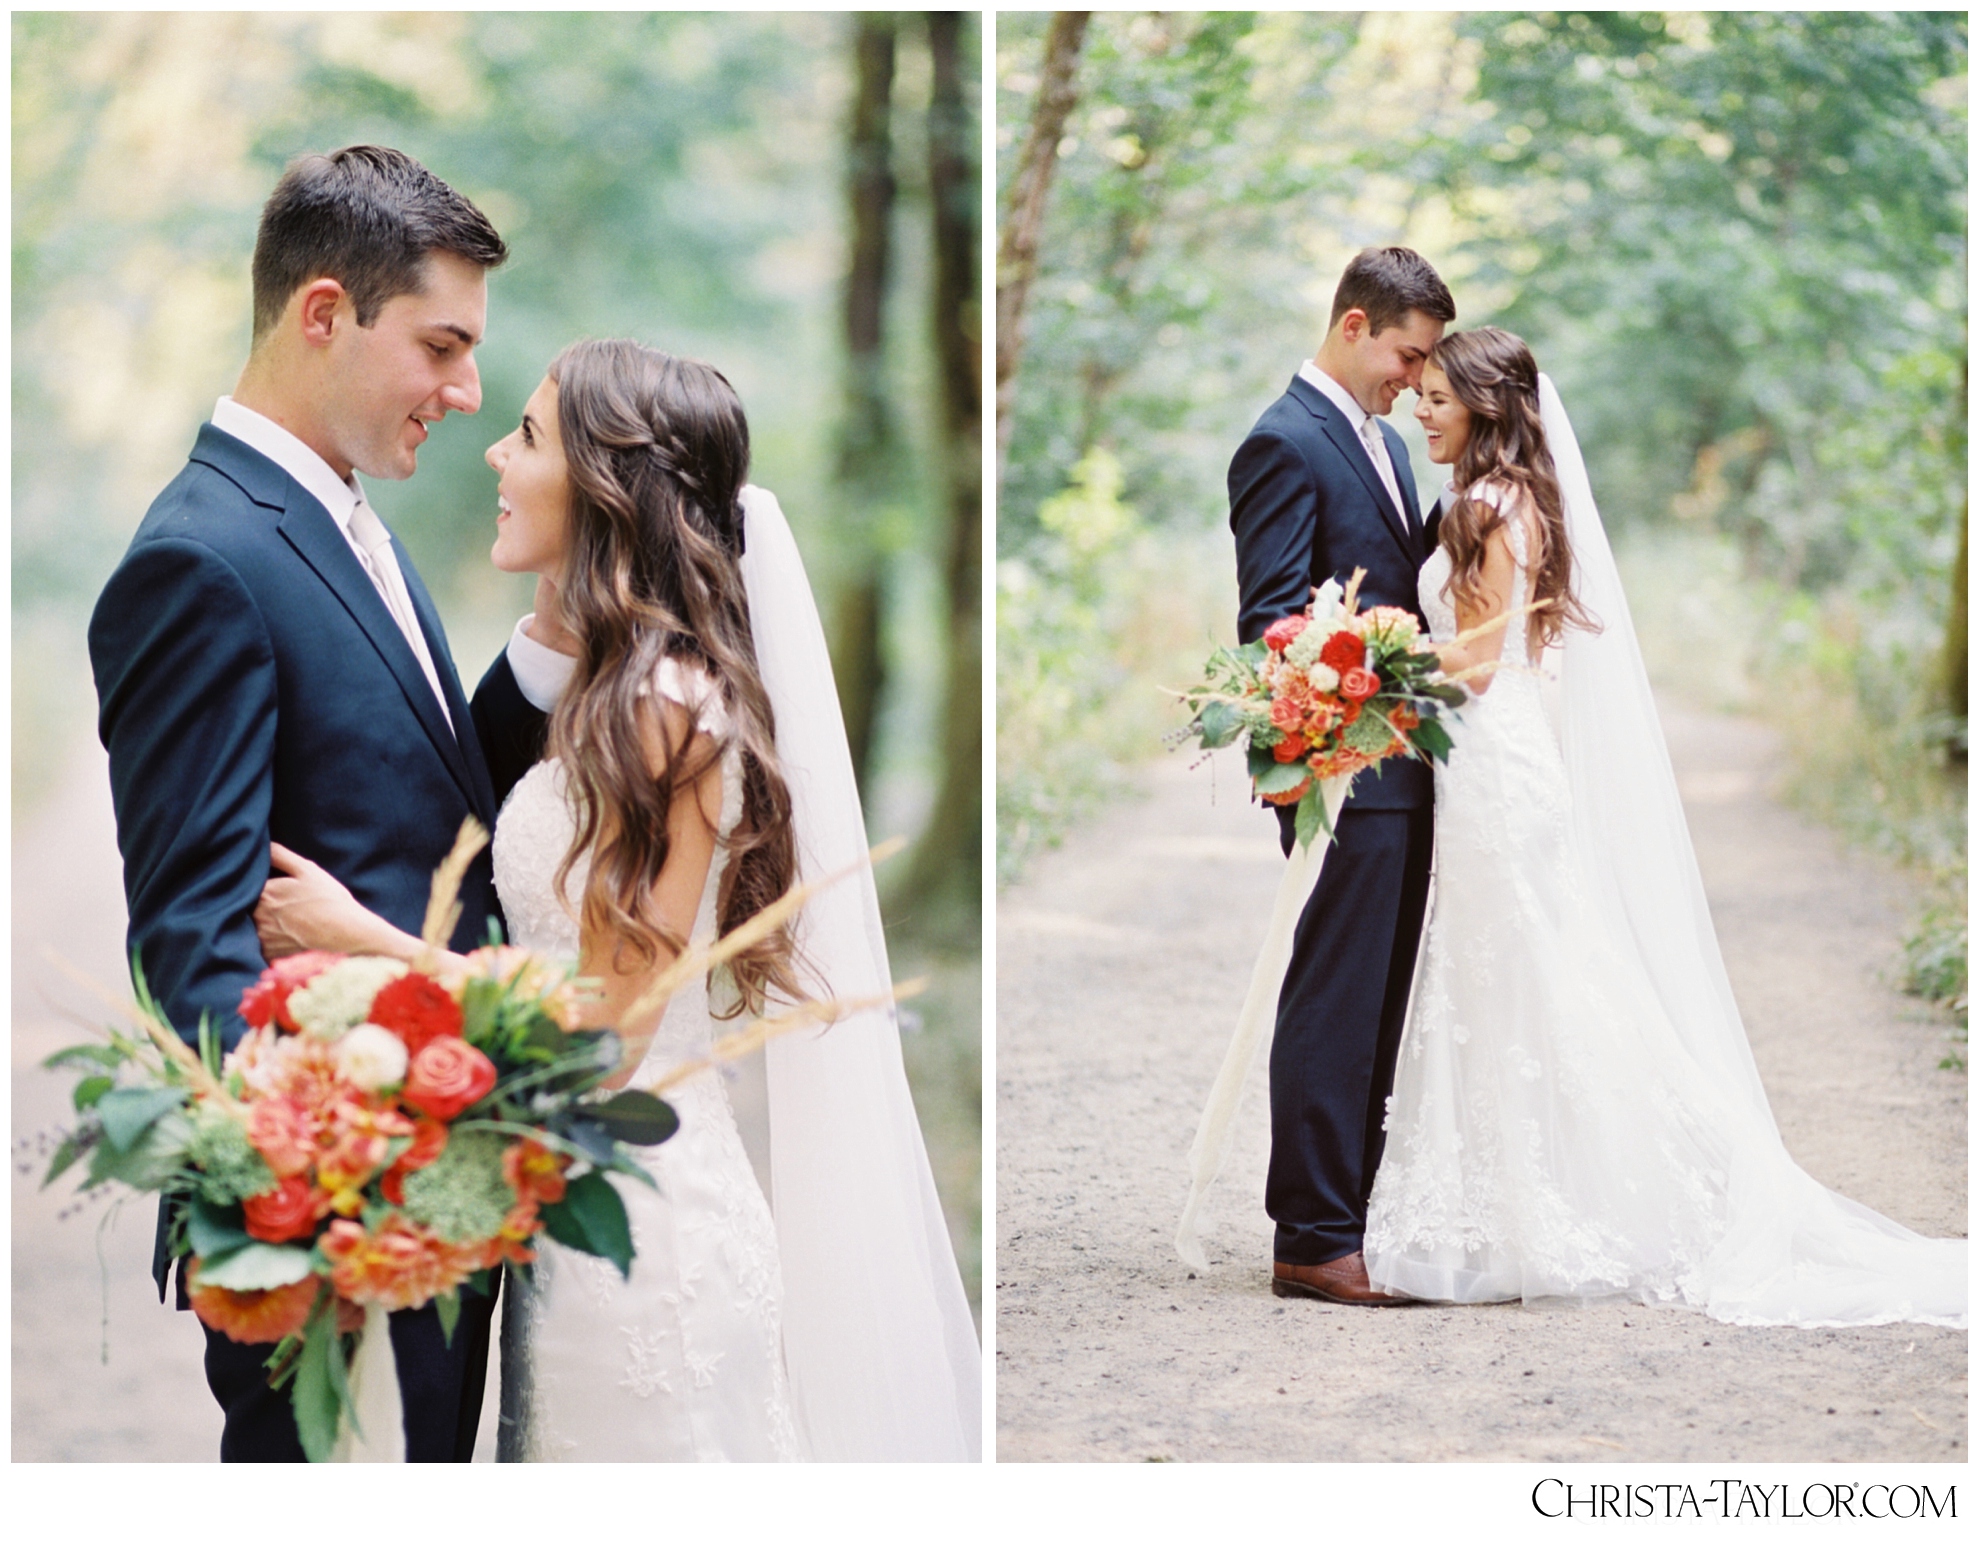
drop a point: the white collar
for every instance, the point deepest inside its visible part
(293, 455)
(1348, 405)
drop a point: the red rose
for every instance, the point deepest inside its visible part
(1343, 650)
(1288, 749)
(417, 1009)
(267, 1000)
(446, 1077)
(1286, 631)
(285, 1213)
(1285, 714)
(1357, 684)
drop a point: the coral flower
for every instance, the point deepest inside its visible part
(1283, 633)
(1288, 749)
(446, 1077)
(282, 1134)
(254, 1315)
(400, 1266)
(1405, 717)
(1287, 799)
(1357, 684)
(534, 1172)
(1285, 714)
(287, 1212)
(267, 1000)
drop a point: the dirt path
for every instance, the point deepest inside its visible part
(1121, 964)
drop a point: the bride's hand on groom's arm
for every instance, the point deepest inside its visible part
(304, 906)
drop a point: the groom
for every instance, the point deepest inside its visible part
(269, 666)
(1320, 487)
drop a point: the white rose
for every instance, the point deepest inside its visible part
(372, 1058)
(1323, 678)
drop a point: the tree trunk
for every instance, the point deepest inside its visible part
(1017, 248)
(867, 440)
(944, 882)
(1954, 672)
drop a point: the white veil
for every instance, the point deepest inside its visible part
(883, 1357)
(1793, 1252)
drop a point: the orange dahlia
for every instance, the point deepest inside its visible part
(254, 1315)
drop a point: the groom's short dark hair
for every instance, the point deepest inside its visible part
(367, 216)
(1388, 284)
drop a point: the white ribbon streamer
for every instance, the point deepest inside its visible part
(374, 1394)
(1211, 1149)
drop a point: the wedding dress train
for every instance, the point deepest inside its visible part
(1575, 1113)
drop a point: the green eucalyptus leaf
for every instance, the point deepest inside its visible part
(1282, 778)
(634, 1116)
(591, 1218)
(1220, 723)
(448, 1305)
(91, 1089)
(320, 1385)
(255, 1265)
(126, 1113)
(214, 1230)
(86, 1055)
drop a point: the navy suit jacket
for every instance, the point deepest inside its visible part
(1306, 504)
(252, 686)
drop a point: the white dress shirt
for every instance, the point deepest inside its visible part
(1369, 428)
(541, 672)
(339, 497)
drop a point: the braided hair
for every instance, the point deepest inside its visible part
(1494, 376)
(658, 452)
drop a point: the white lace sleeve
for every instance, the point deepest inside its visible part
(689, 685)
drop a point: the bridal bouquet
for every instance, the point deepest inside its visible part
(378, 1139)
(386, 1133)
(1328, 692)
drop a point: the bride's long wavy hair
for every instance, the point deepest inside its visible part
(1494, 376)
(658, 452)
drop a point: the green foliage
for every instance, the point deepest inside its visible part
(1092, 613)
(591, 1218)
(1736, 240)
(231, 1168)
(254, 1265)
(461, 1195)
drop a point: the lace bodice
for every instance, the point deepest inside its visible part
(1433, 580)
(535, 831)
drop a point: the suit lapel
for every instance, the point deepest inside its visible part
(314, 535)
(1348, 441)
(482, 787)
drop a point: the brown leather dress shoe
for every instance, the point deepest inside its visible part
(1342, 1281)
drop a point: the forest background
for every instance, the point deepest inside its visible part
(794, 197)
(1736, 241)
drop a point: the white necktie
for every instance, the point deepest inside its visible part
(376, 542)
(1377, 450)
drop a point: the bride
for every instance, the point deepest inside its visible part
(803, 1303)
(1576, 1111)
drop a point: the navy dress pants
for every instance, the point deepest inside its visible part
(1340, 1016)
(440, 1385)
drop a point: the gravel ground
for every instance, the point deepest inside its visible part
(1121, 963)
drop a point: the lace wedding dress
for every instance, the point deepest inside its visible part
(683, 1360)
(1554, 1132)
